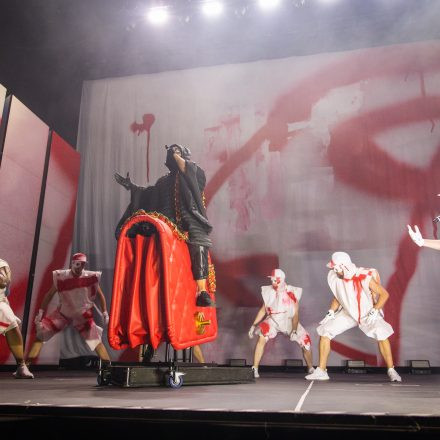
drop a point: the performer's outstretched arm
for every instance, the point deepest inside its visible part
(417, 238)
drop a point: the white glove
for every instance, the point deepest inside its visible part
(372, 316)
(330, 315)
(251, 332)
(105, 318)
(39, 316)
(416, 236)
(293, 336)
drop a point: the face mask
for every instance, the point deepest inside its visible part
(77, 266)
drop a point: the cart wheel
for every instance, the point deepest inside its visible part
(103, 378)
(175, 384)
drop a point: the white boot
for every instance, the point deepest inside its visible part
(255, 371)
(23, 372)
(394, 375)
(318, 374)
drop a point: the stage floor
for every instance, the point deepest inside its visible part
(367, 398)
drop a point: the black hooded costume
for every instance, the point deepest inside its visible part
(178, 196)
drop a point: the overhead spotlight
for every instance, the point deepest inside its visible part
(268, 4)
(212, 8)
(157, 15)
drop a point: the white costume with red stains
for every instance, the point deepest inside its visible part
(356, 300)
(280, 309)
(77, 295)
(8, 320)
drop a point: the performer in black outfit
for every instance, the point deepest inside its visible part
(179, 196)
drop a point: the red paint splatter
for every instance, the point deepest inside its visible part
(292, 296)
(264, 326)
(147, 122)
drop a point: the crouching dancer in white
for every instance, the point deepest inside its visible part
(279, 314)
(358, 301)
(9, 324)
(77, 289)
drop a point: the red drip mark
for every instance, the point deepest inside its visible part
(147, 122)
(292, 296)
(357, 282)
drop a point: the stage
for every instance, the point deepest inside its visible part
(276, 405)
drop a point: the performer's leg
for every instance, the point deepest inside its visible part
(324, 351)
(258, 354)
(34, 351)
(307, 355)
(15, 343)
(199, 267)
(102, 352)
(385, 351)
(197, 352)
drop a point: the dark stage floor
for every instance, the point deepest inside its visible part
(277, 404)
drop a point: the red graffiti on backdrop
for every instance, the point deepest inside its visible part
(146, 124)
(352, 149)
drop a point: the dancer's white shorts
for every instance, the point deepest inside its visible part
(269, 329)
(379, 329)
(83, 322)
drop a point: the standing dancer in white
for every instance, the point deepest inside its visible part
(279, 314)
(358, 301)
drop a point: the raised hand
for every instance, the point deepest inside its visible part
(124, 181)
(416, 236)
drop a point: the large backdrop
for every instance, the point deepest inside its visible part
(304, 156)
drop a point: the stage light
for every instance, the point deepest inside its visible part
(158, 15)
(420, 367)
(268, 4)
(212, 8)
(353, 366)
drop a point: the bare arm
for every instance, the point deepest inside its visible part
(5, 276)
(433, 244)
(48, 297)
(260, 315)
(381, 293)
(334, 305)
(101, 299)
(295, 319)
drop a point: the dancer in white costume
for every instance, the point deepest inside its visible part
(358, 301)
(77, 289)
(279, 314)
(9, 324)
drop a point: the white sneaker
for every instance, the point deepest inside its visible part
(255, 371)
(310, 370)
(318, 374)
(394, 375)
(23, 372)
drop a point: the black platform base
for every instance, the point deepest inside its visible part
(194, 374)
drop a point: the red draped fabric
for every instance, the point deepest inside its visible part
(153, 298)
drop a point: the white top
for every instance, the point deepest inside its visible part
(77, 294)
(354, 294)
(280, 304)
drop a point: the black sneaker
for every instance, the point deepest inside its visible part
(204, 300)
